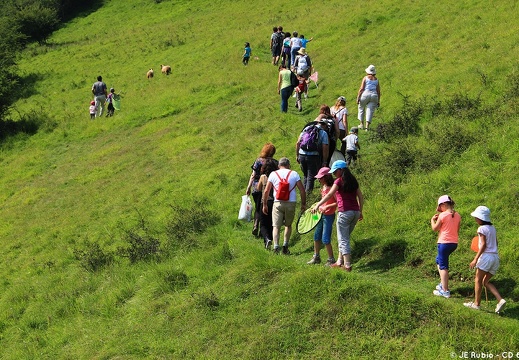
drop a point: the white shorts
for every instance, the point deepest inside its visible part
(488, 263)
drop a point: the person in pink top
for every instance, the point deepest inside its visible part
(350, 202)
(447, 224)
(323, 230)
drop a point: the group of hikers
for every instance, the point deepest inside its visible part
(274, 184)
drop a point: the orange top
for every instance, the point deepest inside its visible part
(450, 226)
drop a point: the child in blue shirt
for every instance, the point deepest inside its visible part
(246, 54)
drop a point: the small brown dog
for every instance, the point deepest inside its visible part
(166, 69)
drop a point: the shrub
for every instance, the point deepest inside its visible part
(176, 280)
(141, 246)
(404, 123)
(91, 257)
(37, 21)
(186, 223)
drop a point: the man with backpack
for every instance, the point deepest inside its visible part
(312, 149)
(276, 43)
(283, 181)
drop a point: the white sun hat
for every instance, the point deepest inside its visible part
(482, 213)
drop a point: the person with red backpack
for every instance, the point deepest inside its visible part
(284, 182)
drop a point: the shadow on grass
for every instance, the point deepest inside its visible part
(384, 256)
(505, 288)
(27, 85)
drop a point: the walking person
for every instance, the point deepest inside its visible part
(284, 181)
(267, 168)
(323, 230)
(340, 114)
(368, 97)
(284, 86)
(352, 145)
(447, 224)
(267, 152)
(246, 54)
(276, 42)
(486, 260)
(349, 203)
(312, 151)
(100, 94)
(295, 45)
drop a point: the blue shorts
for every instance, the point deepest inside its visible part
(323, 230)
(444, 250)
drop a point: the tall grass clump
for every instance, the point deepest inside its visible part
(187, 222)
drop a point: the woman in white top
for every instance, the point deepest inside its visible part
(295, 45)
(340, 113)
(368, 97)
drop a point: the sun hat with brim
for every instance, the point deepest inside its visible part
(482, 213)
(322, 172)
(371, 70)
(444, 199)
(339, 164)
(302, 51)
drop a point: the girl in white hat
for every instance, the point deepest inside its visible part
(368, 97)
(486, 260)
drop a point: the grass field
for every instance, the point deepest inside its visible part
(120, 237)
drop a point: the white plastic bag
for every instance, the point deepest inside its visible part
(245, 209)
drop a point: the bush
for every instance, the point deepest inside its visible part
(404, 123)
(188, 222)
(91, 257)
(141, 245)
(37, 21)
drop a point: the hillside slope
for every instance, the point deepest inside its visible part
(178, 156)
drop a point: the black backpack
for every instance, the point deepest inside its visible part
(294, 81)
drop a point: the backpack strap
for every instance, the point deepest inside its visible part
(286, 178)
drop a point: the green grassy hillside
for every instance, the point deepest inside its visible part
(120, 237)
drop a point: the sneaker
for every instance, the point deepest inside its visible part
(285, 250)
(471, 305)
(295, 95)
(276, 250)
(255, 231)
(445, 294)
(314, 260)
(439, 286)
(360, 126)
(500, 305)
(268, 243)
(330, 262)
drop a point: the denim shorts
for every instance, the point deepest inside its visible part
(444, 250)
(323, 230)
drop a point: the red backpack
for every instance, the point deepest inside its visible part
(283, 191)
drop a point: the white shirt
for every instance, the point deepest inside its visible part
(491, 238)
(292, 180)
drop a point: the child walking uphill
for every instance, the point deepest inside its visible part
(447, 223)
(246, 54)
(350, 202)
(110, 101)
(92, 110)
(323, 231)
(486, 260)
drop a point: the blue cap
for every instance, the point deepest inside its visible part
(339, 164)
